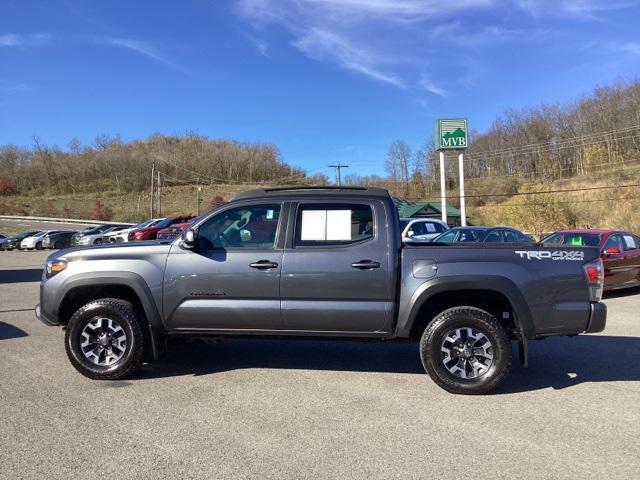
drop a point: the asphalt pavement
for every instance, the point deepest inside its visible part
(312, 409)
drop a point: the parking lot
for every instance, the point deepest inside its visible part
(291, 409)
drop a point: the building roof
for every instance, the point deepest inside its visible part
(409, 210)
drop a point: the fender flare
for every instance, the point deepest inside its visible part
(127, 279)
(495, 283)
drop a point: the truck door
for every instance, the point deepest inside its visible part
(231, 279)
(336, 272)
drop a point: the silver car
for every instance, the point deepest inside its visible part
(94, 235)
(421, 229)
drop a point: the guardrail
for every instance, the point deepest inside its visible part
(76, 221)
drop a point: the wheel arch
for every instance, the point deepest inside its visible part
(83, 288)
(493, 293)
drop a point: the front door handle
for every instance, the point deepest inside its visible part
(365, 264)
(263, 264)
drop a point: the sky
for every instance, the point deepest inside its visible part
(325, 80)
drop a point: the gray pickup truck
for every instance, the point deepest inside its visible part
(326, 262)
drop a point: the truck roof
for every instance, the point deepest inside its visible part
(312, 191)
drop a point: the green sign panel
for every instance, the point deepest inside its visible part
(451, 133)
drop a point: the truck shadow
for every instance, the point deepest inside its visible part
(625, 292)
(21, 276)
(8, 331)
(563, 362)
(553, 363)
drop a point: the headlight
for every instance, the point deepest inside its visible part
(55, 266)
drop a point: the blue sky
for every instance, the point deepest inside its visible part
(325, 80)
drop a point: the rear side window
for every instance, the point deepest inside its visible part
(629, 242)
(511, 237)
(333, 224)
(494, 237)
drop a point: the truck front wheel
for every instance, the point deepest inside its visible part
(465, 350)
(104, 339)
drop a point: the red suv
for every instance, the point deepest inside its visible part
(150, 233)
(620, 253)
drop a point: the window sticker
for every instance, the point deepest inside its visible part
(338, 225)
(629, 242)
(431, 228)
(314, 224)
(576, 241)
(270, 214)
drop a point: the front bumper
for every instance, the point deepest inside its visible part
(40, 315)
(597, 318)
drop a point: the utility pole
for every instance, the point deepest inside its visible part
(159, 197)
(463, 210)
(338, 167)
(153, 167)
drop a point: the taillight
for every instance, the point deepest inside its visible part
(595, 278)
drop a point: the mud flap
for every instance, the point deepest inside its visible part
(523, 353)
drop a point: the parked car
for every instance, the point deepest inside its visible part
(58, 240)
(123, 235)
(12, 243)
(175, 230)
(3, 240)
(619, 250)
(94, 235)
(320, 262)
(151, 232)
(35, 241)
(483, 235)
(421, 229)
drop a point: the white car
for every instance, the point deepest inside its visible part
(35, 241)
(123, 235)
(421, 229)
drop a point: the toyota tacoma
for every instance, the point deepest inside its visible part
(325, 262)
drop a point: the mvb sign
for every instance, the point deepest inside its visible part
(451, 133)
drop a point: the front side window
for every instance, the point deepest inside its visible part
(511, 237)
(333, 224)
(629, 242)
(252, 226)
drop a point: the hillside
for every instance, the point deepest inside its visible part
(596, 207)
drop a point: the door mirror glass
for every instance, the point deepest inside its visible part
(410, 233)
(188, 238)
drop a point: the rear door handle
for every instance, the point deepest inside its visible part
(263, 264)
(365, 264)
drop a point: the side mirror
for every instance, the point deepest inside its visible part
(410, 233)
(612, 251)
(188, 238)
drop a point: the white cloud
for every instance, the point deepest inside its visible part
(140, 47)
(326, 45)
(348, 33)
(17, 40)
(581, 9)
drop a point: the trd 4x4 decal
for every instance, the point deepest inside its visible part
(555, 255)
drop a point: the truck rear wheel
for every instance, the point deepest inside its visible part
(465, 350)
(104, 339)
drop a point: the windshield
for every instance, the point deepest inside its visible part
(573, 239)
(163, 223)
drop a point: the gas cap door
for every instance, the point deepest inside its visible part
(424, 268)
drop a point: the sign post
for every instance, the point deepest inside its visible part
(452, 134)
(443, 195)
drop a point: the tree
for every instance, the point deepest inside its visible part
(398, 163)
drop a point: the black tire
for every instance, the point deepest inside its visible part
(39, 246)
(121, 313)
(434, 339)
(98, 241)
